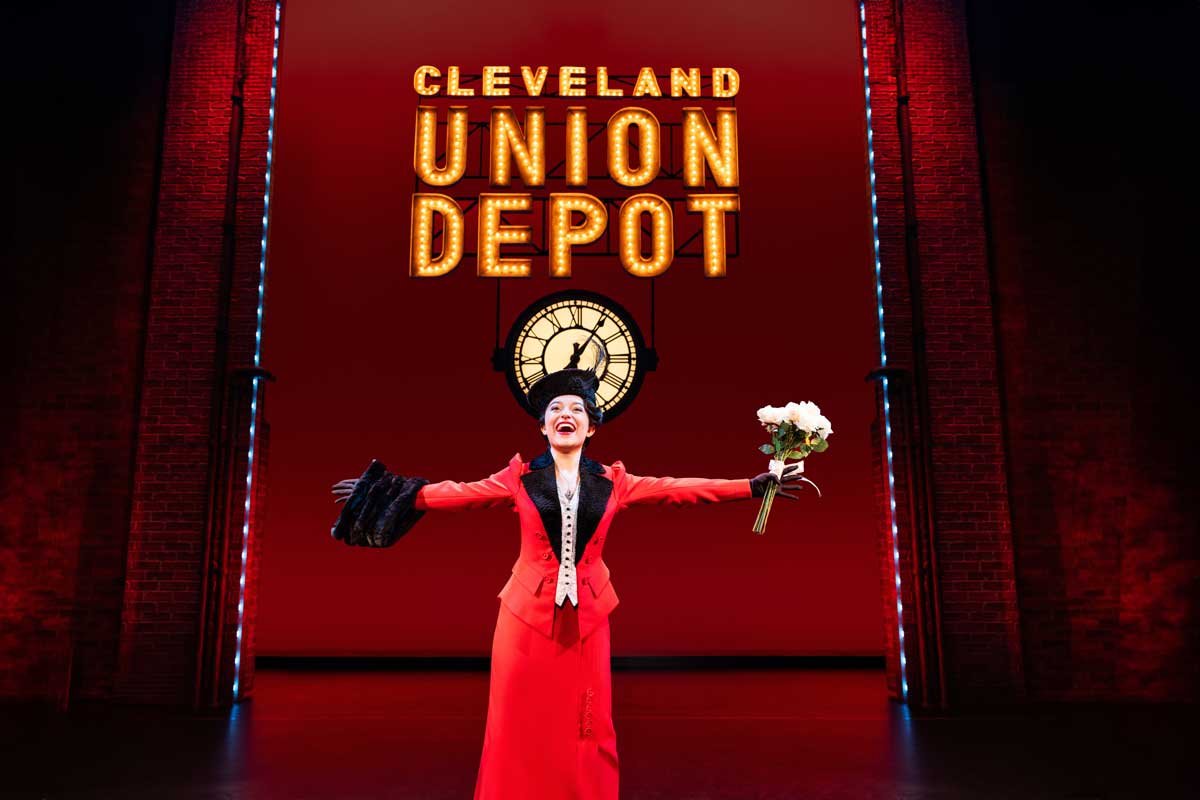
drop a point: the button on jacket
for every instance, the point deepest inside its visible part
(565, 579)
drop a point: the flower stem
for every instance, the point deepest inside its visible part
(764, 510)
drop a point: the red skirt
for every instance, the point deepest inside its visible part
(549, 733)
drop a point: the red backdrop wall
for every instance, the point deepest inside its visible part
(371, 363)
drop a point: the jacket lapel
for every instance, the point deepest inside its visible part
(542, 489)
(594, 491)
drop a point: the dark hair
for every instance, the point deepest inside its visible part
(595, 415)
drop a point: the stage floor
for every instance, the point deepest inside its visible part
(695, 735)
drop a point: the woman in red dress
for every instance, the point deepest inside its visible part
(549, 731)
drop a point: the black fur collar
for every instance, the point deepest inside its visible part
(594, 490)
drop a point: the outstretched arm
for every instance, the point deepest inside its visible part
(689, 491)
(380, 507)
(491, 492)
(682, 491)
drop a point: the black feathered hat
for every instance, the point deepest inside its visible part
(583, 382)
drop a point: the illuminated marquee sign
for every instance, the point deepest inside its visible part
(449, 148)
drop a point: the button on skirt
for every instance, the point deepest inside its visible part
(549, 732)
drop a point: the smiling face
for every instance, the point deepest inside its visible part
(566, 422)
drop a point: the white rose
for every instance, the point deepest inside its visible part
(823, 427)
(803, 415)
(770, 415)
(807, 417)
(792, 412)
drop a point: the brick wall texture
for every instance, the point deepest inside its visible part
(170, 504)
(980, 627)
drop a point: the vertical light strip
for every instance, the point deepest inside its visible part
(887, 415)
(262, 276)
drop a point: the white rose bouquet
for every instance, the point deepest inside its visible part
(796, 429)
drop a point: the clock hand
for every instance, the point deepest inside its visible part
(578, 348)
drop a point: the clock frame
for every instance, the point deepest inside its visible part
(558, 328)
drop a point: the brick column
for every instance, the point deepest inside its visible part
(971, 538)
(183, 353)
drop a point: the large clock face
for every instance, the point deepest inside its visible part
(579, 329)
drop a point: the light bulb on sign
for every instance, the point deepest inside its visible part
(421, 263)
(648, 146)
(662, 239)
(492, 234)
(563, 234)
(425, 148)
(702, 146)
(713, 207)
(509, 142)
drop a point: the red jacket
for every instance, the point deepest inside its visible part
(530, 489)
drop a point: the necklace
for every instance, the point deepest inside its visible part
(569, 493)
